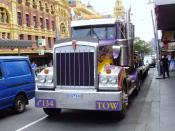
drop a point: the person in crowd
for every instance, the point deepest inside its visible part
(169, 59)
(172, 64)
(164, 65)
(34, 66)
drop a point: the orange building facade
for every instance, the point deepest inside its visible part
(33, 20)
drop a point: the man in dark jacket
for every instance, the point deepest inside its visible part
(164, 64)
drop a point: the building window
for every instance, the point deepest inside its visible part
(46, 7)
(53, 25)
(19, 18)
(36, 38)
(27, 20)
(49, 42)
(59, 11)
(8, 35)
(34, 4)
(4, 17)
(41, 23)
(19, 1)
(29, 37)
(34, 22)
(27, 3)
(52, 11)
(62, 28)
(54, 40)
(47, 24)
(21, 36)
(64, 13)
(3, 35)
(40, 6)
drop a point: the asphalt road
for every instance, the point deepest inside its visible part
(34, 119)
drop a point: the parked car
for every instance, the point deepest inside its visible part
(17, 82)
(150, 61)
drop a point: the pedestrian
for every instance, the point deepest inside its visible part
(34, 66)
(172, 64)
(164, 65)
(169, 59)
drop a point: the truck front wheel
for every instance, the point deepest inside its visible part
(122, 113)
(52, 111)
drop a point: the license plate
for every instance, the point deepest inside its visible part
(108, 105)
(45, 103)
(75, 96)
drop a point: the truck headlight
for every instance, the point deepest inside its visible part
(112, 80)
(42, 79)
(103, 79)
(49, 79)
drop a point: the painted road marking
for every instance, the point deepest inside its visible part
(28, 125)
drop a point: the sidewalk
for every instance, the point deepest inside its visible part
(161, 95)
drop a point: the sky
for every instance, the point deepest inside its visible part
(141, 14)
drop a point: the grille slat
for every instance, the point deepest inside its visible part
(79, 66)
(75, 69)
(89, 69)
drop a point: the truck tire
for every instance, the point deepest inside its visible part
(122, 113)
(52, 111)
(138, 86)
(20, 104)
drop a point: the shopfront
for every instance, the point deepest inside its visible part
(165, 20)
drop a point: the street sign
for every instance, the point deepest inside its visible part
(171, 45)
(41, 42)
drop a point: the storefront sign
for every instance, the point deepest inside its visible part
(171, 45)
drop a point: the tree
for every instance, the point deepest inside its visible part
(141, 46)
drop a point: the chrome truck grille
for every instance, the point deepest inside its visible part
(75, 69)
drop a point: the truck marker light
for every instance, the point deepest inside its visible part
(74, 44)
(46, 71)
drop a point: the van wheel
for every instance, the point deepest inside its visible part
(52, 111)
(20, 104)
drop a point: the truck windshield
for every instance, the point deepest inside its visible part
(102, 32)
(81, 32)
(99, 33)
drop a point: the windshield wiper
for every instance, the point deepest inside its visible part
(95, 34)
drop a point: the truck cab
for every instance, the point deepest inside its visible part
(92, 71)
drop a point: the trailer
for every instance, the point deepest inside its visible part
(96, 69)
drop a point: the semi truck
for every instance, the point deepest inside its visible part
(95, 69)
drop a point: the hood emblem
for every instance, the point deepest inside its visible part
(74, 44)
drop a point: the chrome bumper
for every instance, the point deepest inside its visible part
(79, 99)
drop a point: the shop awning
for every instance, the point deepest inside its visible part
(15, 43)
(165, 16)
(163, 2)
